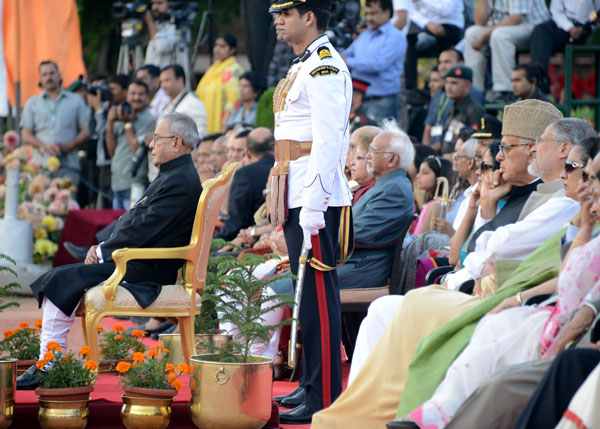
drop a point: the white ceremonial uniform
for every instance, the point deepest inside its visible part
(322, 173)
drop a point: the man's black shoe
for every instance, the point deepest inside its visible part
(168, 330)
(400, 424)
(78, 252)
(293, 401)
(278, 399)
(29, 380)
(302, 414)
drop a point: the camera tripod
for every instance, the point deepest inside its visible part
(130, 53)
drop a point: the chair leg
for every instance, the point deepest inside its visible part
(84, 331)
(92, 336)
(186, 329)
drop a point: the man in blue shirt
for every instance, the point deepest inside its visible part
(377, 57)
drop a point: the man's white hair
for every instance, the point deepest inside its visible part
(469, 147)
(399, 143)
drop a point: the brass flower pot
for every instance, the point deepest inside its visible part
(231, 395)
(63, 414)
(173, 343)
(8, 376)
(146, 413)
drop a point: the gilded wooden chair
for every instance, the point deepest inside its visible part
(175, 301)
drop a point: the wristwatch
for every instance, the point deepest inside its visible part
(127, 125)
(253, 232)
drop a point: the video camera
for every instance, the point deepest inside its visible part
(344, 19)
(104, 92)
(183, 13)
(122, 11)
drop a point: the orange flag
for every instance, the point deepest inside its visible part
(37, 30)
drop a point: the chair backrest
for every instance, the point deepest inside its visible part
(214, 192)
(396, 265)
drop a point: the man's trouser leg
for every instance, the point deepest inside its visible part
(55, 326)
(546, 39)
(504, 43)
(320, 311)
(475, 58)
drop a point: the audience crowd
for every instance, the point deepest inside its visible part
(509, 206)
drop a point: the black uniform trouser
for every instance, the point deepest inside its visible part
(451, 38)
(556, 389)
(314, 361)
(546, 39)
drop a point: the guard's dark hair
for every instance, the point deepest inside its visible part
(321, 15)
(177, 71)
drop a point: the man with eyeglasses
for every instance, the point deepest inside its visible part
(163, 217)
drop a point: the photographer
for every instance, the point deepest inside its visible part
(127, 128)
(163, 34)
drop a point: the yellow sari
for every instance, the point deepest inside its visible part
(219, 90)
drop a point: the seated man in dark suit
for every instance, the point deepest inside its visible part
(163, 217)
(246, 193)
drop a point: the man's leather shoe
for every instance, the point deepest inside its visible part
(78, 252)
(398, 424)
(293, 401)
(298, 389)
(29, 380)
(168, 330)
(302, 414)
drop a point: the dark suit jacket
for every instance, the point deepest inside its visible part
(245, 196)
(163, 217)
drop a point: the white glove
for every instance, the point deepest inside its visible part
(311, 221)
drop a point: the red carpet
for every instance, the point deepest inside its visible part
(105, 407)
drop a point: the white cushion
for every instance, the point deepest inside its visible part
(171, 297)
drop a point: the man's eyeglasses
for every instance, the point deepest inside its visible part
(505, 148)
(156, 137)
(373, 150)
(571, 165)
(485, 167)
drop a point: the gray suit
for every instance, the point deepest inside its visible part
(377, 217)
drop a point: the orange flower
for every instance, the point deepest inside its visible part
(183, 368)
(152, 353)
(177, 385)
(49, 356)
(123, 367)
(169, 367)
(137, 333)
(100, 328)
(165, 350)
(52, 346)
(138, 357)
(85, 351)
(23, 325)
(193, 384)
(38, 323)
(158, 346)
(118, 328)
(15, 331)
(172, 377)
(91, 365)
(118, 337)
(8, 333)
(36, 328)
(40, 364)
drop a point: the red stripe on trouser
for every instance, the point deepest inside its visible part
(324, 316)
(574, 418)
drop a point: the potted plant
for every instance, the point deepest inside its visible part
(66, 383)
(150, 383)
(22, 344)
(231, 388)
(116, 345)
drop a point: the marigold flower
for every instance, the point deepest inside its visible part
(172, 377)
(138, 357)
(158, 346)
(177, 385)
(8, 333)
(15, 331)
(183, 368)
(85, 351)
(91, 365)
(52, 346)
(48, 356)
(38, 323)
(137, 333)
(118, 328)
(123, 367)
(165, 350)
(40, 364)
(100, 328)
(118, 337)
(152, 353)
(169, 367)
(23, 325)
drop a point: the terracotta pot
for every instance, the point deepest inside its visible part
(23, 365)
(65, 394)
(144, 392)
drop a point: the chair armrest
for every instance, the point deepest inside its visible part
(122, 256)
(432, 275)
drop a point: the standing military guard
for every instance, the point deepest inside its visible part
(309, 192)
